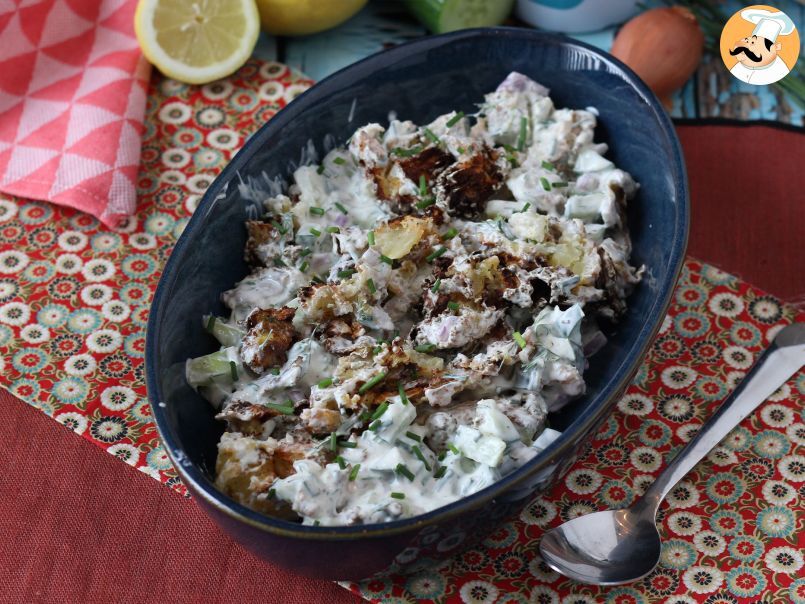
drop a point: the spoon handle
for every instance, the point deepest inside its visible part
(784, 357)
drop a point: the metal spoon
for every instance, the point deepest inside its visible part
(620, 546)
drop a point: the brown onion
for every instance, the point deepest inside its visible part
(663, 46)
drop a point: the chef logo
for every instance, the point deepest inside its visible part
(759, 45)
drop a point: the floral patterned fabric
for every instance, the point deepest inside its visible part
(74, 300)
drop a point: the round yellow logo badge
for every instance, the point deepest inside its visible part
(759, 45)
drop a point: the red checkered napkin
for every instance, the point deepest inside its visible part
(72, 99)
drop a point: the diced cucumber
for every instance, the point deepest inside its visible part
(228, 334)
(441, 16)
(483, 448)
(217, 366)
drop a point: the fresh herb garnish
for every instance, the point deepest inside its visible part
(333, 229)
(547, 165)
(233, 370)
(450, 233)
(375, 425)
(285, 408)
(339, 160)
(398, 495)
(435, 254)
(559, 184)
(341, 208)
(453, 448)
(381, 409)
(279, 227)
(544, 182)
(403, 395)
(454, 120)
(317, 211)
(342, 463)
(421, 457)
(407, 152)
(325, 383)
(430, 135)
(371, 285)
(347, 444)
(440, 472)
(353, 473)
(315, 232)
(526, 206)
(386, 259)
(374, 381)
(425, 348)
(278, 261)
(320, 169)
(304, 266)
(403, 470)
(428, 201)
(413, 436)
(305, 252)
(346, 273)
(518, 337)
(453, 305)
(436, 285)
(370, 237)
(333, 442)
(523, 133)
(423, 186)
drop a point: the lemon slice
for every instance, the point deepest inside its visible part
(197, 41)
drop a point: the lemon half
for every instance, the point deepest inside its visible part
(197, 41)
(302, 17)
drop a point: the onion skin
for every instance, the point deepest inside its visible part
(663, 46)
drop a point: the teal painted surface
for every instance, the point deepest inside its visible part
(711, 92)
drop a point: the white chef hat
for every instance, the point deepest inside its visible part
(769, 25)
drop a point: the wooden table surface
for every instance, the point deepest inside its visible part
(61, 493)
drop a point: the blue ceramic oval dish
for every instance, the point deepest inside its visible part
(418, 81)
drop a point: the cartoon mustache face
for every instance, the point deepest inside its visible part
(750, 55)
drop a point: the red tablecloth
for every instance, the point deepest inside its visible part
(60, 492)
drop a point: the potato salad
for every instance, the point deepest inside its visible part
(418, 302)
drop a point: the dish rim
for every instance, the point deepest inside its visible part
(205, 489)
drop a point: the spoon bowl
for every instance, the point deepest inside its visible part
(604, 548)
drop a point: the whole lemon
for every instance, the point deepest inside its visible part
(302, 17)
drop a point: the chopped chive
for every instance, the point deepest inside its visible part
(559, 184)
(526, 206)
(320, 169)
(421, 457)
(440, 472)
(278, 261)
(513, 161)
(372, 382)
(398, 495)
(428, 201)
(233, 369)
(325, 383)
(548, 165)
(544, 182)
(279, 227)
(403, 395)
(435, 254)
(461, 150)
(441, 456)
(341, 208)
(333, 442)
(377, 349)
(523, 133)
(316, 523)
(365, 415)
(332, 229)
(370, 237)
(375, 425)
(453, 448)
(272, 493)
(346, 274)
(454, 120)
(317, 211)
(453, 305)
(275, 371)
(317, 279)
(425, 348)
(315, 232)
(407, 152)
(430, 135)
(304, 266)
(353, 473)
(403, 470)
(381, 409)
(413, 436)
(423, 185)
(347, 444)
(371, 285)
(341, 462)
(450, 233)
(211, 323)
(305, 252)
(386, 259)
(436, 286)
(339, 160)
(284, 409)
(509, 148)
(518, 337)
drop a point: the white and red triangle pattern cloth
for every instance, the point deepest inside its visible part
(73, 88)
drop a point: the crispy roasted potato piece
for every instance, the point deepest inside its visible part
(398, 237)
(259, 233)
(430, 163)
(466, 186)
(270, 335)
